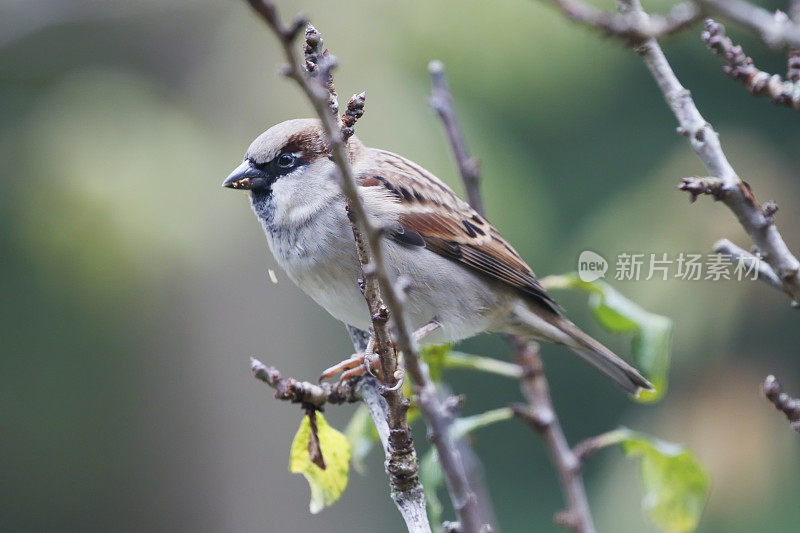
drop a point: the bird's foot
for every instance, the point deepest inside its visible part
(426, 330)
(355, 365)
(367, 361)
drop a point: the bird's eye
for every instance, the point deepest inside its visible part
(286, 160)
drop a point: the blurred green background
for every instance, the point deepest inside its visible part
(134, 288)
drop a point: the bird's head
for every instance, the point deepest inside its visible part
(286, 149)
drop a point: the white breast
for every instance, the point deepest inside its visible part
(320, 258)
(310, 236)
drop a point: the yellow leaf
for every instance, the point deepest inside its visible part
(326, 485)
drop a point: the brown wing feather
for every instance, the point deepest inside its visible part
(448, 226)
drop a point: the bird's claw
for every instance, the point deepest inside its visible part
(355, 365)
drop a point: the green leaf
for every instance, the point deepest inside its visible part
(675, 483)
(490, 365)
(441, 356)
(435, 356)
(430, 474)
(464, 426)
(652, 333)
(326, 485)
(413, 411)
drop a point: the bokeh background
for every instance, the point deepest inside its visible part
(134, 288)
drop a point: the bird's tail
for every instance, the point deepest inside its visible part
(602, 358)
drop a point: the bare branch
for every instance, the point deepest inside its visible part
(630, 28)
(735, 193)
(774, 28)
(355, 110)
(784, 403)
(304, 392)
(577, 517)
(400, 462)
(442, 102)
(439, 419)
(371, 254)
(740, 67)
(318, 61)
(765, 272)
(314, 448)
(540, 416)
(401, 458)
(697, 185)
(587, 447)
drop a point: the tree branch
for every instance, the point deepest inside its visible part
(541, 417)
(355, 110)
(400, 461)
(539, 409)
(630, 28)
(369, 241)
(784, 403)
(735, 193)
(765, 272)
(319, 61)
(774, 28)
(442, 102)
(741, 68)
(304, 392)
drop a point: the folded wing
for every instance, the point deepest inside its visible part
(434, 217)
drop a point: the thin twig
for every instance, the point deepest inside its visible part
(765, 272)
(784, 403)
(697, 185)
(741, 68)
(628, 28)
(355, 110)
(436, 416)
(774, 28)
(318, 60)
(587, 447)
(442, 102)
(534, 382)
(304, 392)
(540, 416)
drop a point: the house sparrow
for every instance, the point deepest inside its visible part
(458, 271)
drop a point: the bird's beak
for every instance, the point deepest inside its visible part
(242, 177)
